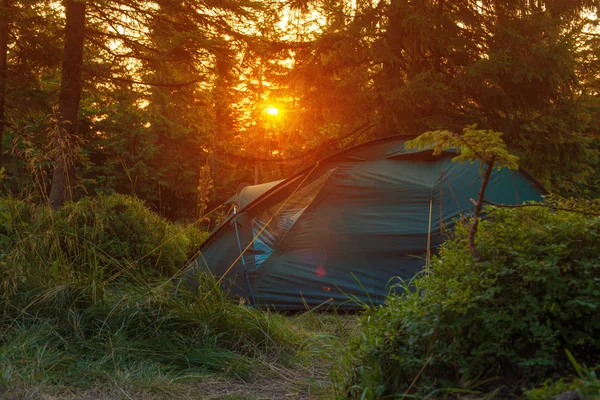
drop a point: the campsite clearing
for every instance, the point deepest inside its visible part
(308, 377)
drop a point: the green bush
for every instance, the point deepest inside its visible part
(126, 231)
(105, 236)
(511, 316)
(584, 388)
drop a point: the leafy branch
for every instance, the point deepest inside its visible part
(483, 145)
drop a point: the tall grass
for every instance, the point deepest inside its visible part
(87, 298)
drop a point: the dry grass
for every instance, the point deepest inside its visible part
(308, 376)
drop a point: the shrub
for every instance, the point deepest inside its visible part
(99, 236)
(124, 229)
(581, 388)
(512, 315)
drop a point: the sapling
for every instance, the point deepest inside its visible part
(483, 145)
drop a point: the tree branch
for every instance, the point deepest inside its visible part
(155, 84)
(478, 206)
(541, 205)
(359, 130)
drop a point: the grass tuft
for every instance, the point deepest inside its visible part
(65, 323)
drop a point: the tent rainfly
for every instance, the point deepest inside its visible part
(347, 226)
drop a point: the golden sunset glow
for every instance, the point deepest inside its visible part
(272, 111)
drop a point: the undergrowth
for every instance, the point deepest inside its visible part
(89, 298)
(96, 237)
(86, 298)
(585, 385)
(495, 326)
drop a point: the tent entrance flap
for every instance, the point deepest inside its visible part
(266, 238)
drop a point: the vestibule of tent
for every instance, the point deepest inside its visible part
(348, 225)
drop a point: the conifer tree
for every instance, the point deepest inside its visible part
(69, 98)
(4, 31)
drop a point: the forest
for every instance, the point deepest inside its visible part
(125, 126)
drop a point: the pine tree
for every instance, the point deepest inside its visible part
(523, 68)
(4, 31)
(70, 95)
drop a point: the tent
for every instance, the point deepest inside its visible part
(247, 194)
(348, 225)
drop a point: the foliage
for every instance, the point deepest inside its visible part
(205, 185)
(483, 145)
(486, 146)
(168, 89)
(106, 235)
(508, 317)
(586, 385)
(65, 322)
(526, 69)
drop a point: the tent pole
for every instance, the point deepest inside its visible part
(237, 235)
(428, 256)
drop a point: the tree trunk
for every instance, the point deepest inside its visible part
(4, 19)
(390, 76)
(478, 206)
(69, 97)
(437, 51)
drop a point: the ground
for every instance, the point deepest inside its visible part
(287, 384)
(306, 378)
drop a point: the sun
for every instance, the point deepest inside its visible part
(272, 111)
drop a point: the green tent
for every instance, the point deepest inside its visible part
(347, 225)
